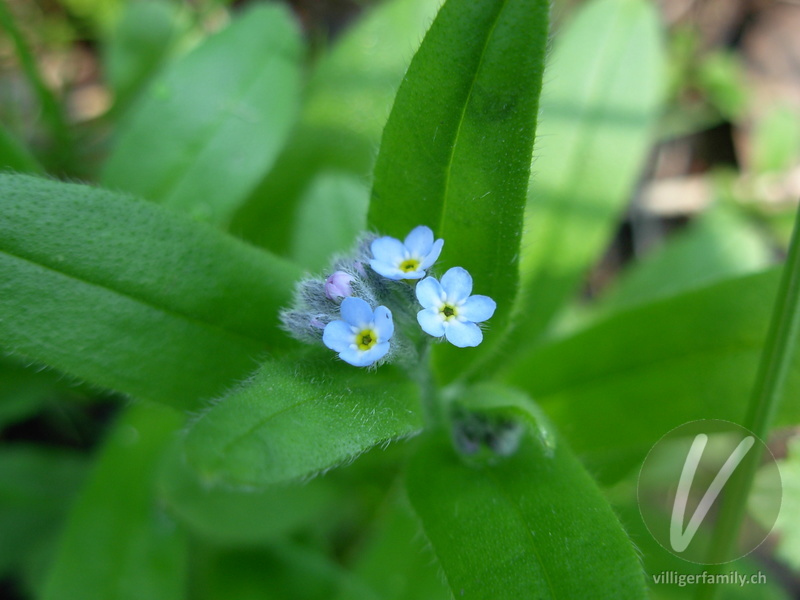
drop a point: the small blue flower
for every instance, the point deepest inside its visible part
(405, 260)
(450, 311)
(362, 337)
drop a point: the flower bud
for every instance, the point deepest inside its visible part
(337, 286)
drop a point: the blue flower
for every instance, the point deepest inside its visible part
(450, 311)
(362, 337)
(405, 260)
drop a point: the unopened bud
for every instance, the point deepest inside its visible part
(337, 286)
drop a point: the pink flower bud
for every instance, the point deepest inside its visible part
(337, 286)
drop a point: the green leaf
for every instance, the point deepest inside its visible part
(599, 105)
(349, 96)
(330, 216)
(117, 544)
(213, 124)
(243, 516)
(455, 153)
(36, 488)
(129, 296)
(720, 245)
(616, 387)
(295, 419)
(532, 526)
(138, 46)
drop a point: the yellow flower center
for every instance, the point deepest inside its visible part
(409, 265)
(366, 339)
(449, 312)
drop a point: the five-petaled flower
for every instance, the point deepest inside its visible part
(362, 336)
(450, 311)
(409, 259)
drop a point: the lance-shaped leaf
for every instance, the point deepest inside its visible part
(616, 387)
(598, 110)
(212, 125)
(295, 419)
(455, 153)
(117, 544)
(129, 296)
(534, 525)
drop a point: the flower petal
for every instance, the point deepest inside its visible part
(338, 336)
(388, 250)
(377, 352)
(431, 322)
(419, 241)
(356, 312)
(463, 334)
(457, 284)
(359, 358)
(434, 253)
(387, 270)
(429, 293)
(384, 324)
(477, 308)
(414, 275)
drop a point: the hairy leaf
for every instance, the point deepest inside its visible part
(455, 153)
(532, 526)
(129, 296)
(295, 419)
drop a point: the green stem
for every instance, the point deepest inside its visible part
(52, 113)
(431, 401)
(776, 360)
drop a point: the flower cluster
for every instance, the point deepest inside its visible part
(353, 310)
